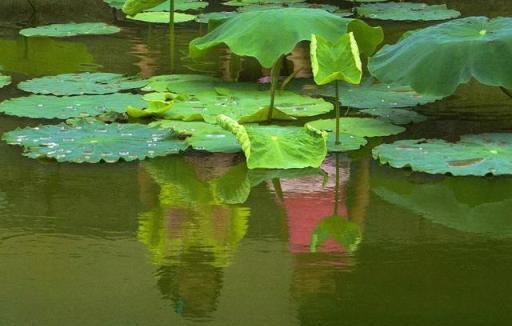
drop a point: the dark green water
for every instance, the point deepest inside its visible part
(150, 244)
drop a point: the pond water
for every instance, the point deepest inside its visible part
(149, 243)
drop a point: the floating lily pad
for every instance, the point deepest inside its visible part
(162, 17)
(270, 6)
(437, 59)
(371, 95)
(72, 29)
(81, 84)
(4, 80)
(94, 141)
(242, 3)
(362, 127)
(473, 155)
(276, 147)
(188, 84)
(202, 136)
(180, 5)
(406, 11)
(52, 107)
(396, 116)
(347, 143)
(218, 15)
(246, 106)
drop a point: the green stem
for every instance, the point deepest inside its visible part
(337, 186)
(506, 91)
(277, 188)
(337, 108)
(171, 35)
(274, 73)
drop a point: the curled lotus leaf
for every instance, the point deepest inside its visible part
(133, 7)
(396, 116)
(479, 155)
(4, 80)
(276, 147)
(72, 29)
(244, 36)
(437, 59)
(92, 141)
(362, 127)
(162, 17)
(81, 84)
(406, 11)
(53, 107)
(202, 135)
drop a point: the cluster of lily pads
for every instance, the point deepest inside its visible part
(268, 125)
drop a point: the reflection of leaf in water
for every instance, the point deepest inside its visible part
(452, 202)
(43, 56)
(339, 229)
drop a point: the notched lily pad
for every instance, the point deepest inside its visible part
(479, 155)
(362, 127)
(94, 141)
(162, 17)
(396, 116)
(53, 107)
(81, 84)
(406, 11)
(72, 29)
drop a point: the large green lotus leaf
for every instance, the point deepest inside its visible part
(480, 155)
(437, 59)
(216, 15)
(133, 7)
(4, 80)
(362, 127)
(339, 229)
(81, 84)
(43, 56)
(270, 6)
(244, 34)
(243, 3)
(348, 142)
(372, 95)
(202, 136)
(180, 5)
(72, 29)
(53, 107)
(162, 17)
(396, 116)
(336, 61)
(406, 11)
(94, 141)
(247, 106)
(276, 147)
(180, 84)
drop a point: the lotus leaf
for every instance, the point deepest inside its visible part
(188, 84)
(52, 107)
(4, 80)
(396, 116)
(479, 155)
(180, 5)
(339, 229)
(406, 11)
(275, 147)
(242, 3)
(202, 136)
(133, 7)
(218, 15)
(81, 84)
(246, 106)
(72, 29)
(335, 61)
(162, 17)
(437, 59)
(94, 141)
(347, 142)
(362, 127)
(371, 95)
(269, 6)
(243, 33)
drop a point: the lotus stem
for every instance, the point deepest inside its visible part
(274, 73)
(506, 91)
(277, 188)
(32, 6)
(337, 108)
(171, 35)
(337, 185)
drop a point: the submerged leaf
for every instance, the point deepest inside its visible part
(406, 11)
(244, 35)
(94, 141)
(72, 29)
(275, 147)
(437, 59)
(473, 155)
(81, 84)
(362, 127)
(53, 107)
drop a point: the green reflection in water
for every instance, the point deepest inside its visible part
(43, 56)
